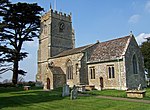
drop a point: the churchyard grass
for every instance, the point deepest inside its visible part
(114, 93)
(37, 99)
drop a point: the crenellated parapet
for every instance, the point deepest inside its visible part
(56, 14)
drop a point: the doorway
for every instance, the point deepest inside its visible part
(101, 83)
(48, 83)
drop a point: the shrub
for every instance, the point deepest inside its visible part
(7, 85)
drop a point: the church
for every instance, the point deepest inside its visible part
(114, 64)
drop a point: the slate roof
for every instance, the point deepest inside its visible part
(109, 50)
(73, 51)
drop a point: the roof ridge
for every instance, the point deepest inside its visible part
(83, 48)
(116, 39)
(72, 51)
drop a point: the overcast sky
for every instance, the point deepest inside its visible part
(93, 20)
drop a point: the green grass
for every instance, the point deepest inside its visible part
(115, 93)
(147, 94)
(37, 99)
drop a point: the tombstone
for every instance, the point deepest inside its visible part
(74, 93)
(65, 90)
(81, 88)
(45, 86)
(39, 84)
(139, 87)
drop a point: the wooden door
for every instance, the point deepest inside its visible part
(101, 83)
(48, 83)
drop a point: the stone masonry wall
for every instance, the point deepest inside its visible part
(51, 40)
(59, 80)
(60, 40)
(133, 80)
(75, 59)
(101, 70)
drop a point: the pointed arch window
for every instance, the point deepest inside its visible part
(69, 70)
(134, 62)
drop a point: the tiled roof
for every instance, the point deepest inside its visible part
(109, 50)
(56, 70)
(73, 51)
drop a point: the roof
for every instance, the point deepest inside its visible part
(73, 51)
(56, 70)
(109, 50)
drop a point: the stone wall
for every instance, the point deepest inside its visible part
(101, 70)
(133, 80)
(83, 71)
(51, 40)
(46, 75)
(59, 80)
(75, 59)
(60, 40)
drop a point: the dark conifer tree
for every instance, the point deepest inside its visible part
(20, 23)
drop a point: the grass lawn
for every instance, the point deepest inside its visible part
(17, 99)
(115, 93)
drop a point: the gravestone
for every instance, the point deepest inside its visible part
(39, 84)
(139, 87)
(66, 90)
(81, 88)
(74, 93)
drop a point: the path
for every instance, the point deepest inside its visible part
(124, 99)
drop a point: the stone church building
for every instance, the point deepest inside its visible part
(113, 64)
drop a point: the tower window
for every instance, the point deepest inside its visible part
(111, 71)
(45, 29)
(92, 72)
(69, 70)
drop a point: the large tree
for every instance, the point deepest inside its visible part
(3, 6)
(3, 48)
(20, 23)
(145, 48)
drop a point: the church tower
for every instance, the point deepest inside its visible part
(56, 36)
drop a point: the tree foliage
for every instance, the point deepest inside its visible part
(20, 23)
(4, 51)
(3, 6)
(145, 48)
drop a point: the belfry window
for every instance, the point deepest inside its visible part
(69, 70)
(45, 29)
(92, 72)
(111, 71)
(134, 62)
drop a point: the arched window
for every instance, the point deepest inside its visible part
(77, 68)
(45, 29)
(69, 70)
(134, 62)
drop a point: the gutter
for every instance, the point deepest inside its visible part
(105, 61)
